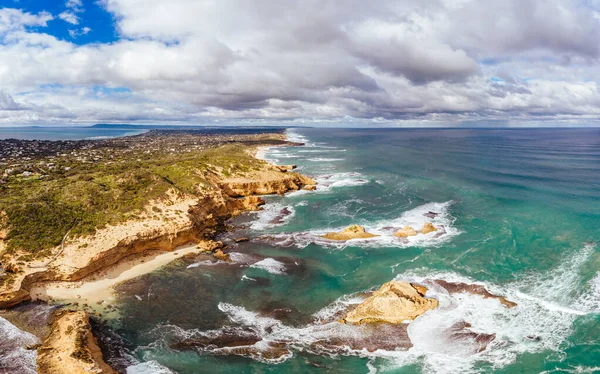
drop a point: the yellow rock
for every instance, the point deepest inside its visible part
(406, 232)
(71, 348)
(350, 232)
(427, 228)
(394, 302)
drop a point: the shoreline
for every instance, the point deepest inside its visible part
(98, 292)
(84, 274)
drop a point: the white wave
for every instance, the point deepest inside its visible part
(547, 306)
(150, 367)
(530, 327)
(271, 216)
(385, 229)
(324, 159)
(329, 181)
(293, 136)
(14, 358)
(271, 265)
(323, 150)
(244, 277)
(235, 257)
(244, 317)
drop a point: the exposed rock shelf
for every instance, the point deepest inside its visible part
(70, 348)
(350, 232)
(395, 302)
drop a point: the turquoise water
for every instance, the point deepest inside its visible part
(520, 212)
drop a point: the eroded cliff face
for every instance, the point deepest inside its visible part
(176, 220)
(265, 182)
(70, 348)
(167, 224)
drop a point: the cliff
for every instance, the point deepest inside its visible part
(70, 348)
(165, 223)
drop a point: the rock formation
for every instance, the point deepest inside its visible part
(71, 348)
(285, 168)
(456, 287)
(394, 302)
(13, 298)
(350, 232)
(220, 255)
(405, 232)
(427, 228)
(265, 182)
(310, 187)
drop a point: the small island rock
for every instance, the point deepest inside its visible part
(350, 232)
(428, 227)
(405, 232)
(394, 303)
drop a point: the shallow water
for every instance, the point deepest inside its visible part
(520, 211)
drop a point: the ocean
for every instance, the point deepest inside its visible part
(65, 133)
(518, 211)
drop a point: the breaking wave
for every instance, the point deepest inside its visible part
(436, 213)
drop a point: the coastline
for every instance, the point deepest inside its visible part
(83, 276)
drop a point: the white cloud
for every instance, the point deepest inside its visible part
(76, 5)
(69, 17)
(13, 20)
(196, 61)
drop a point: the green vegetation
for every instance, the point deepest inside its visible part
(83, 197)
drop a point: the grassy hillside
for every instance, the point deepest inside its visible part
(89, 188)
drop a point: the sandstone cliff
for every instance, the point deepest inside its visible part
(71, 348)
(265, 182)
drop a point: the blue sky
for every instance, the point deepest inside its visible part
(384, 63)
(90, 14)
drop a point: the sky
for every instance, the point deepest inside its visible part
(308, 62)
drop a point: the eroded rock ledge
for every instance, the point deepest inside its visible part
(70, 348)
(174, 221)
(395, 302)
(349, 233)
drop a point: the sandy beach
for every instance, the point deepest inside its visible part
(98, 291)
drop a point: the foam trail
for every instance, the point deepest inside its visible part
(385, 229)
(150, 367)
(271, 265)
(274, 214)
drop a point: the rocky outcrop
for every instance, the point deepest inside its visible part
(310, 187)
(285, 168)
(394, 303)
(265, 183)
(462, 334)
(11, 299)
(427, 228)
(350, 232)
(10, 267)
(71, 348)
(457, 287)
(220, 255)
(405, 232)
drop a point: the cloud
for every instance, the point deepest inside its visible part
(260, 60)
(14, 20)
(69, 17)
(82, 31)
(8, 103)
(75, 5)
